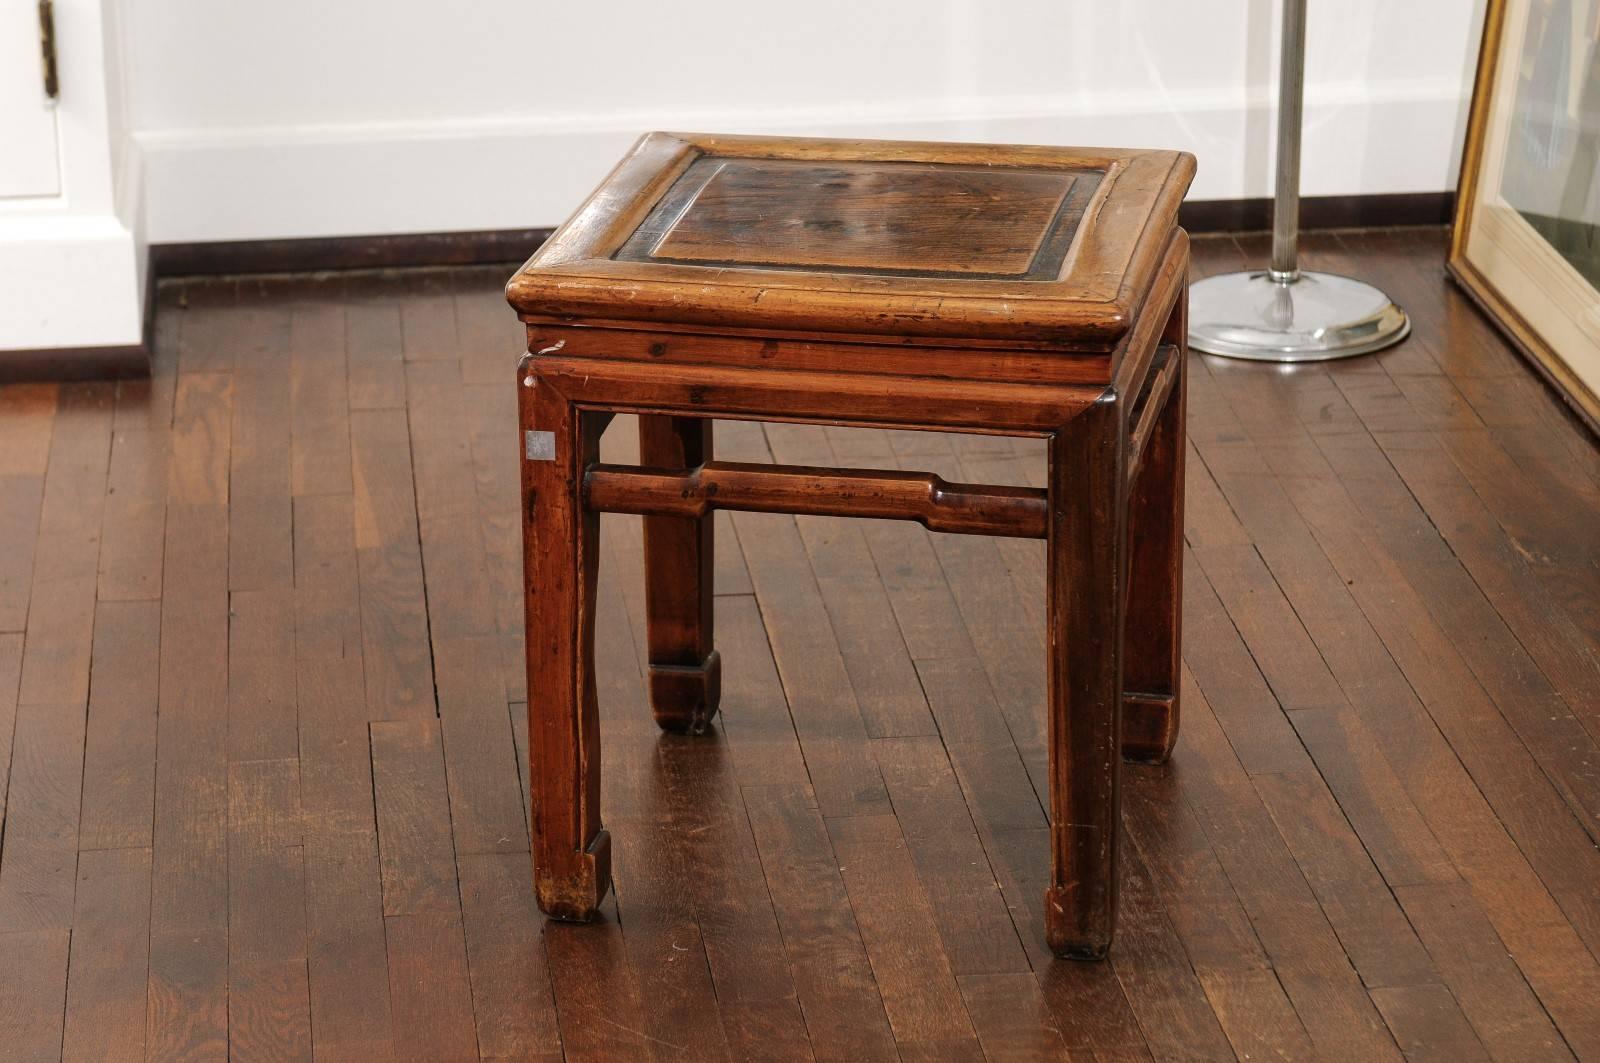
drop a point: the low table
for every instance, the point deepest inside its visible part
(972, 288)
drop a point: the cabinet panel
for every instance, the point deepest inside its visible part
(29, 163)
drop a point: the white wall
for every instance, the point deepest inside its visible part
(311, 118)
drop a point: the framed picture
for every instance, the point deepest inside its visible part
(1526, 243)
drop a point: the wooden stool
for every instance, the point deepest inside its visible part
(1008, 290)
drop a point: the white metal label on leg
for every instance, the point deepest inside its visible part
(539, 446)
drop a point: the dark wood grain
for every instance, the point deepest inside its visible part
(1089, 303)
(899, 218)
(680, 555)
(105, 1004)
(1359, 848)
(561, 545)
(712, 485)
(812, 211)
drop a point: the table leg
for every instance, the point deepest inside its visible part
(685, 671)
(1155, 598)
(1086, 577)
(561, 544)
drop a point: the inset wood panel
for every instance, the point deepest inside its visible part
(902, 218)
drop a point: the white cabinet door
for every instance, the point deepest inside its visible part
(29, 165)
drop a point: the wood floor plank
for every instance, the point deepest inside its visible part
(266, 863)
(597, 998)
(27, 417)
(55, 663)
(1331, 603)
(952, 867)
(269, 1005)
(191, 759)
(1163, 990)
(394, 619)
(486, 805)
(875, 655)
(346, 958)
(1371, 926)
(1503, 671)
(1009, 1015)
(110, 958)
(1293, 929)
(119, 758)
(135, 514)
(823, 705)
(653, 882)
(327, 589)
(832, 733)
(1205, 913)
(1563, 645)
(146, 403)
(21, 497)
(1493, 995)
(39, 875)
(1501, 765)
(1007, 633)
(346, 951)
(413, 807)
(1429, 1023)
(512, 1000)
(462, 619)
(10, 680)
(490, 338)
(269, 1014)
(755, 716)
(491, 418)
(714, 866)
(429, 987)
(428, 316)
(374, 368)
(318, 380)
(459, 603)
(33, 990)
(187, 996)
(262, 719)
(260, 554)
(265, 793)
(209, 338)
(839, 995)
(1467, 805)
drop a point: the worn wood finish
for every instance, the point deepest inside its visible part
(774, 241)
(1086, 572)
(1153, 650)
(685, 671)
(898, 219)
(561, 556)
(585, 273)
(930, 500)
(1352, 853)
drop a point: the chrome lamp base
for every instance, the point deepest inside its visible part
(1296, 317)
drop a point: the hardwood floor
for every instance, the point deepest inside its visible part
(263, 740)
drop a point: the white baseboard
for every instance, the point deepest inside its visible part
(70, 282)
(279, 182)
(74, 280)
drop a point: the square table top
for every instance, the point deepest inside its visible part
(1036, 247)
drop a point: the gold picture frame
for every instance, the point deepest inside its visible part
(1505, 254)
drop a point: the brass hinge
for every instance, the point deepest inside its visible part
(47, 44)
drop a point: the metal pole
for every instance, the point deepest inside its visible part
(1281, 314)
(1291, 96)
